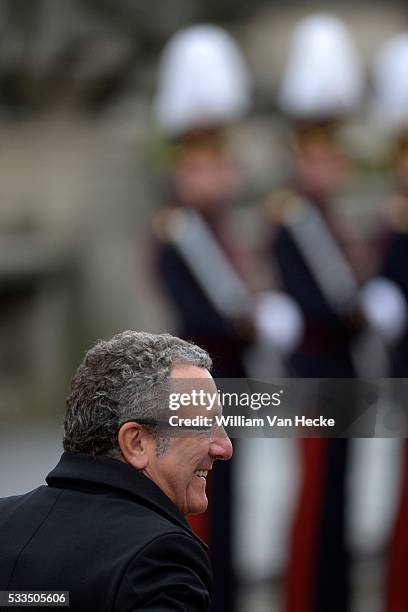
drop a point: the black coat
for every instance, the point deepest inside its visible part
(107, 534)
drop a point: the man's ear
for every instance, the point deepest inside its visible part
(134, 443)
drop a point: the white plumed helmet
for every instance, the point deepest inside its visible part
(391, 81)
(203, 81)
(323, 76)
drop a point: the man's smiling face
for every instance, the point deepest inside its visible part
(181, 470)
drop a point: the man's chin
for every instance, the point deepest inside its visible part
(198, 506)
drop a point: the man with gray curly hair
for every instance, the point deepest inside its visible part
(110, 528)
(119, 380)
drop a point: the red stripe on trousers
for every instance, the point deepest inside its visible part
(303, 548)
(397, 587)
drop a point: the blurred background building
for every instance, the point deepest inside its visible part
(83, 169)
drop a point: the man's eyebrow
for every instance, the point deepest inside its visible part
(166, 424)
(217, 410)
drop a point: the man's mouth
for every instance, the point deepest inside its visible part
(201, 473)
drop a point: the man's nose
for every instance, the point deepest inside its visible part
(221, 446)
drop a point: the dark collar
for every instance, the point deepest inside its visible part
(79, 468)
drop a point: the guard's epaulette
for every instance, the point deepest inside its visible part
(396, 213)
(281, 206)
(161, 223)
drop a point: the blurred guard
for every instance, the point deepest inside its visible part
(391, 109)
(321, 85)
(203, 88)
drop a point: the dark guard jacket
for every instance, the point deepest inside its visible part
(107, 534)
(395, 268)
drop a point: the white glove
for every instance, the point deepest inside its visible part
(278, 320)
(385, 308)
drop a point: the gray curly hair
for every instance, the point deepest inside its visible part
(122, 379)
